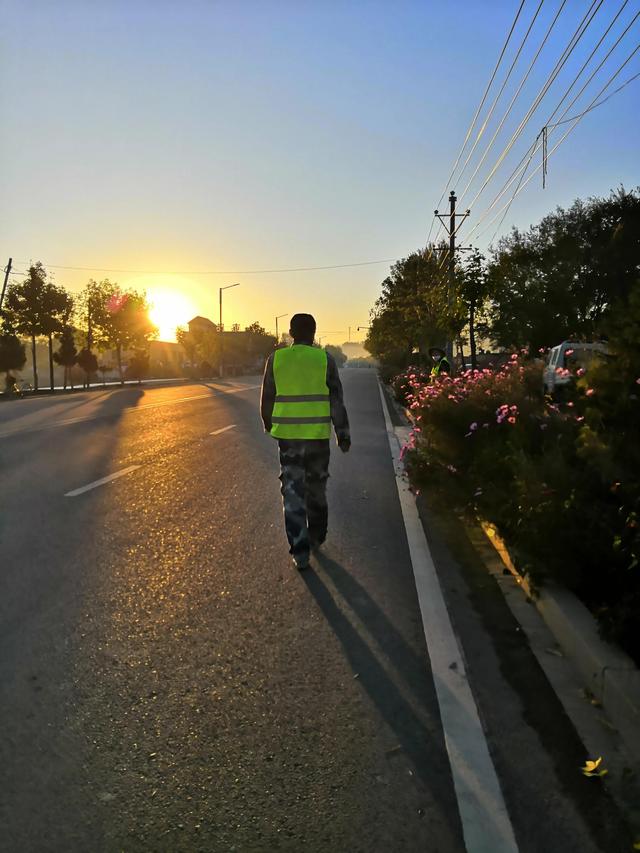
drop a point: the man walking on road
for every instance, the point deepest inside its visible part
(301, 398)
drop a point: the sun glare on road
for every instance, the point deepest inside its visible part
(169, 308)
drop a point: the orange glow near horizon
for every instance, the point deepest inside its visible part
(169, 308)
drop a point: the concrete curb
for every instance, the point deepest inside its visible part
(609, 673)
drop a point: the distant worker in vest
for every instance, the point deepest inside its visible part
(440, 362)
(301, 398)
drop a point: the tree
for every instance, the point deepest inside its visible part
(260, 343)
(88, 362)
(56, 310)
(200, 346)
(188, 343)
(124, 322)
(473, 287)
(414, 312)
(12, 353)
(104, 368)
(562, 277)
(92, 311)
(338, 356)
(25, 309)
(67, 354)
(138, 365)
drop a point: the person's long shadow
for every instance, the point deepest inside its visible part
(420, 741)
(412, 667)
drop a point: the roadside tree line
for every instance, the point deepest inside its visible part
(559, 477)
(103, 317)
(560, 279)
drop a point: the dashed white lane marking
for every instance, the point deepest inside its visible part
(485, 821)
(224, 429)
(101, 482)
(129, 411)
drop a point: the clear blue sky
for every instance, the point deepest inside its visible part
(249, 135)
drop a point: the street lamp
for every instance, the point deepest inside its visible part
(221, 330)
(326, 334)
(279, 317)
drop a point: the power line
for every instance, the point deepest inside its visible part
(502, 88)
(568, 50)
(580, 31)
(515, 172)
(595, 106)
(219, 272)
(484, 98)
(568, 108)
(475, 118)
(514, 98)
(577, 120)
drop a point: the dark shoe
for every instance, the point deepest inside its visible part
(301, 562)
(315, 543)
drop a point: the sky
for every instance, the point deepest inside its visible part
(177, 138)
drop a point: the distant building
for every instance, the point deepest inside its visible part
(202, 324)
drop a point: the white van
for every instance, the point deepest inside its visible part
(565, 359)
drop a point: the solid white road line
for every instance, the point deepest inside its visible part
(483, 813)
(129, 411)
(101, 482)
(224, 429)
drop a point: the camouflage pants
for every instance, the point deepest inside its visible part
(304, 471)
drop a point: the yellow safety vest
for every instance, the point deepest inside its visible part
(301, 409)
(435, 370)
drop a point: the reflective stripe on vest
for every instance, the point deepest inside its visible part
(301, 409)
(435, 370)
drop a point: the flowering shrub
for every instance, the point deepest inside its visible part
(545, 472)
(404, 383)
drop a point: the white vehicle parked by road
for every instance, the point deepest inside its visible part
(565, 359)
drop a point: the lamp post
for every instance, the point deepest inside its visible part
(221, 329)
(279, 317)
(326, 335)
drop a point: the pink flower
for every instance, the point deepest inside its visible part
(569, 352)
(580, 371)
(473, 427)
(590, 392)
(638, 381)
(580, 419)
(511, 420)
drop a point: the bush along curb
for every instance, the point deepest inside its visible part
(609, 673)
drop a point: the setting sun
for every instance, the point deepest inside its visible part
(169, 308)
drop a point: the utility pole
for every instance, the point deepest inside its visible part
(7, 271)
(221, 329)
(279, 317)
(452, 230)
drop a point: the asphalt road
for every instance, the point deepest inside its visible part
(168, 682)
